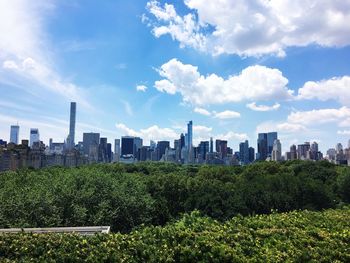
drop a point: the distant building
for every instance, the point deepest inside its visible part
(276, 151)
(14, 134)
(34, 136)
(244, 152)
(127, 146)
(203, 149)
(72, 120)
(91, 143)
(265, 145)
(190, 134)
(251, 154)
(161, 147)
(116, 150)
(304, 151)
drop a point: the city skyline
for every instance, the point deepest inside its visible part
(145, 68)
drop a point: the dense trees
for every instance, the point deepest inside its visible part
(299, 236)
(126, 196)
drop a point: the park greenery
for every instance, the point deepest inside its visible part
(299, 236)
(164, 212)
(129, 196)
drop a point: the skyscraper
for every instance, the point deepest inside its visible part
(211, 145)
(271, 137)
(90, 145)
(265, 144)
(127, 145)
(244, 152)
(116, 149)
(34, 136)
(14, 134)
(262, 147)
(190, 134)
(71, 136)
(277, 151)
(161, 147)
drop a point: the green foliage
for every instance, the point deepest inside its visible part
(299, 236)
(128, 196)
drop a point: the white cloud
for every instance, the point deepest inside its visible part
(151, 133)
(253, 83)
(202, 111)
(332, 89)
(227, 115)
(26, 54)
(9, 64)
(282, 127)
(344, 132)
(141, 88)
(253, 28)
(322, 116)
(183, 29)
(202, 130)
(232, 136)
(255, 107)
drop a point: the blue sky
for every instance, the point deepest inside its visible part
(146, 68)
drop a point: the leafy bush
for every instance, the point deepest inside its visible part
(302, 236)
(127, 196)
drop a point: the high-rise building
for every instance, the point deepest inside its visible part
(211, 150)
(271, 137)
(138, 142)
(304, 151)
(251, 154)
(190, 134)
(262, 147)
(203, 149)
(116, 150)
(293, 152)
(127, 145)
(91, 142)
(265, 144)
(339, 147)
(14, 134)
(221, 147)
(276, 151)
(102, 151)
(244, 152)
(72, 119)
(161, 147)
(34, 136)
(182, 141)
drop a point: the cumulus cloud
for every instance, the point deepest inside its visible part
(344, 132)
(282, 127)
(202, 111)
(253, 83)
(332, 89)
(184, 29)
(255, 107)
(321, 116)
(227, 115)
(142, 88)
(233, 136)
(151, 133)
(253, 28)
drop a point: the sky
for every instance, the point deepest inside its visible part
(146, 68)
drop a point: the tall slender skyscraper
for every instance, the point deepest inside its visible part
(189, 134)
(14, 134)
(71, 136)
(34, 136)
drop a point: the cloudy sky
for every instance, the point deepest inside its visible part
(146, 68)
